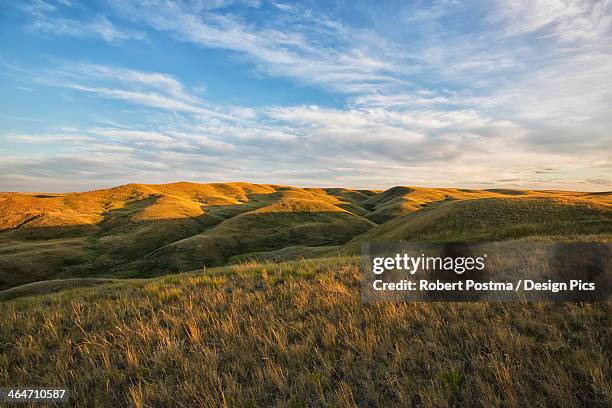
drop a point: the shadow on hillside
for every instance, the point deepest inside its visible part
(506, 191)
(46, 196)
(120, 246)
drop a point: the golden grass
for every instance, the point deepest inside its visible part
(146, 230)
(496, 218)
(402, 200)
(296, 334)
(50, 286)
(285, 334)
(293, 219)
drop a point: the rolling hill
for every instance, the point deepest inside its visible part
(268, 327)
(139, 230)
(495, 219)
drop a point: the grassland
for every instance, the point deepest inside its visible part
(268, 327)
(297, 334)
(139, 230)
(496, 219)
(146, 230)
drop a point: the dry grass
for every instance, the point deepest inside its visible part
(141, 230)
(296, 334)
(290, 334)
(494, 219)
(124, 230)
(403, 200)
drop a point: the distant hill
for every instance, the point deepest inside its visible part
(496, 218)
(146, 230)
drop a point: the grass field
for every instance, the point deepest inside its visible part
(496, 219)
(296, 334)
(280, 321)
(139, 230)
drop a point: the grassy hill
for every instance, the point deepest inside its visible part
(297, 334)
(47, 236)
(292, 218)
(275, 329)
(402, 200)
(139, 230)
(494, 219)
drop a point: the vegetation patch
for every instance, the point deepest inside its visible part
(260, 334)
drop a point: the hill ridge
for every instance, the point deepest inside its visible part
(146, 229)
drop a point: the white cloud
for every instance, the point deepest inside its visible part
(45, 19)
(132, 135)
(563, 20)
(48, 138)
(522, 103)
(276, 48)
(151, 80)
(149, 89)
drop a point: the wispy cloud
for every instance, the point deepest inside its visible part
(100, 27)
(521, 100)
(293, 44)
(562, 20)
(46, 20)
(150, 89)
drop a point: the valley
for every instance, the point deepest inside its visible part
(139, 230)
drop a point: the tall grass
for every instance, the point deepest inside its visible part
(296, 335)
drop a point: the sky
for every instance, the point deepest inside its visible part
(359, 94)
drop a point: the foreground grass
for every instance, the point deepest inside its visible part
(297, 334)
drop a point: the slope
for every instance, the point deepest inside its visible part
(145, 230)
(50, 236)
(298, 333)
(486, 219)
(294, 218)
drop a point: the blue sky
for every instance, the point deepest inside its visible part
(367, 94)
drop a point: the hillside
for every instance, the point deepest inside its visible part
(402, 200)
(298, 334)
(46, 236)
(146, 230)
(268, 327)
(293, 218)
(494, 219)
